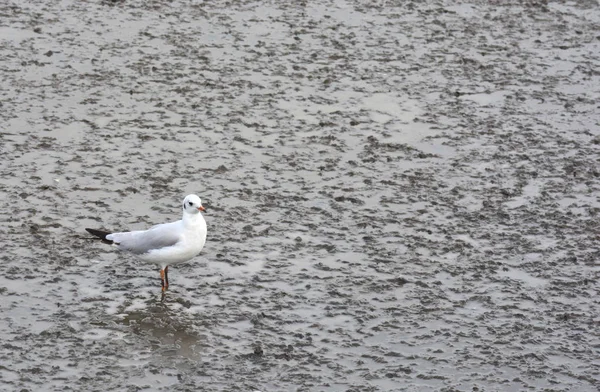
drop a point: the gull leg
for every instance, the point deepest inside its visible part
(167, 277)
(162, 279)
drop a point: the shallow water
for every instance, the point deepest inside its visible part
(401, 195)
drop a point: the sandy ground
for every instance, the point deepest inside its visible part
(402, 195)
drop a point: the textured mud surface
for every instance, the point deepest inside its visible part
(402, 195)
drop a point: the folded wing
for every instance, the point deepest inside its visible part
(140, 242)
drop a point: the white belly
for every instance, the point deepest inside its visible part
(185, 250)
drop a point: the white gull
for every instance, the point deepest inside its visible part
(164, 244)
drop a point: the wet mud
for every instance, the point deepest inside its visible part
(402, 195)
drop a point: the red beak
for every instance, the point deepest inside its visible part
(201, 209)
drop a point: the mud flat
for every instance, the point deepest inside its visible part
(402, 195)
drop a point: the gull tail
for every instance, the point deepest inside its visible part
(100, 234)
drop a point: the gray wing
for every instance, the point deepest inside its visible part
(140, 242)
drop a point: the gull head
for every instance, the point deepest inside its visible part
(192, 204)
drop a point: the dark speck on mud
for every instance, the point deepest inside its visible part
(403, 195)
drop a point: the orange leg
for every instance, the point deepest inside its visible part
(162, 279)
(167, 277)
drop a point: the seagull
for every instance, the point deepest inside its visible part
(166, 243)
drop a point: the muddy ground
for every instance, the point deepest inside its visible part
(402, 195)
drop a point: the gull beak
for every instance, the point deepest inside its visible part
(201, 208)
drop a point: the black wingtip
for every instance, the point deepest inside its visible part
(100, 234)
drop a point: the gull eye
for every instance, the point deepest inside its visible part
(190, 203)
